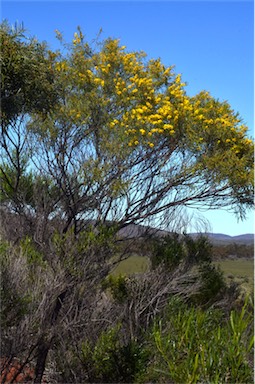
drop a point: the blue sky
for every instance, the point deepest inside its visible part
(209, 42)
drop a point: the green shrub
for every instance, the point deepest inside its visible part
(168, 250)
(199, 250)
(194, 346)
(172, 249)
(111, 360)
(117, 286)
(34, 257)
(213, 283)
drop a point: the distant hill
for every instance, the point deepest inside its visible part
(221, 239)
(134, 230)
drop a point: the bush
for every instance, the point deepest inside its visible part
(199, 250)
(116, 362)
(168, 250)
(117, 286)
(212, 283)
(111, 360)
(173, 249)
(190, 345)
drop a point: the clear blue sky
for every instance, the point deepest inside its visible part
(209, 42)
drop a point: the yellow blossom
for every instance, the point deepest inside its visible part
(167, 126)
(61, 66)
(76, 39)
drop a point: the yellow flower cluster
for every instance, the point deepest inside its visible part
(76, 39)
(145, 100)
(176, 89)
(99, 81)
(61, 66)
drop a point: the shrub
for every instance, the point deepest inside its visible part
(168, 250)
(172, 249)
(111, 360)
(212, 283)
(117, 286)
(199, 250)
(190, 345)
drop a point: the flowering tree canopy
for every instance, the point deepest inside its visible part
(125, 142)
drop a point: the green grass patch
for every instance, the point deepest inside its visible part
(240, 270)
(133, 264)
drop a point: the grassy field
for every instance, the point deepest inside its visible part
(240, 270)
(133, 264)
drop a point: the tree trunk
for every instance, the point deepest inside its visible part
(45, 345)
(43, 350)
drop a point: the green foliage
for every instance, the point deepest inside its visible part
(119, 115)
(193, 346)
(34, 257)
(104, 354)
(168, 250)
(108, 360)
(199, 250)
(27, 78)
(213, 283)
(13, 188)
(117, 286)
(93, 242)
(173, 249)
(112, 361)
(13, 306)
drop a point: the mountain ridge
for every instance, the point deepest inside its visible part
(246, 238)
(137, 230)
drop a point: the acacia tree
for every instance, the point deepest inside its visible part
(127, 143)
(124, 142)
